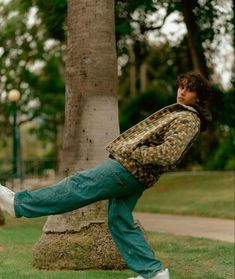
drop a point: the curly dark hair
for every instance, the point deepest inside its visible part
(195, 82)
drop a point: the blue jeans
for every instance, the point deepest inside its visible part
(109, 180)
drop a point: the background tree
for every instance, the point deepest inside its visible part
(194, 37)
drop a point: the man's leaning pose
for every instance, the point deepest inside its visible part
(136, 160)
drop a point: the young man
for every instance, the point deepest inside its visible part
(137, 159)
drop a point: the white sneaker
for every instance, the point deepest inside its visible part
(138, 277)
(7, 200)
(163, 274)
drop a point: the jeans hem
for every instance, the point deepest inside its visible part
(153, 274)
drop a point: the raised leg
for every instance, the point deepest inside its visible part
(107, 180)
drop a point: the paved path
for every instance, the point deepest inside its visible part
(212, 228)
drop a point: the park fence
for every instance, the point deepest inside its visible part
(29, 169)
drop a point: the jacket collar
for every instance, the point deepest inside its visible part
(202, 112)
(189, 108)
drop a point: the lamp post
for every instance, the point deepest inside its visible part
(14, 96)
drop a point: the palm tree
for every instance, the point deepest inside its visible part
(80, 240)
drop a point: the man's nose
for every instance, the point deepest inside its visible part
(183, 91)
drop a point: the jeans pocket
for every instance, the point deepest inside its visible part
(117, 178)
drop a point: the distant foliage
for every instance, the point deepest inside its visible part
(135, 109)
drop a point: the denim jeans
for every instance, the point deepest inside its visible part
(109, 180)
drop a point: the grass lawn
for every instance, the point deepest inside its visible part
(208, 194)
(186, 257)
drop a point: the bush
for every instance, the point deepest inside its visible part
(223, 158)
(136, 108)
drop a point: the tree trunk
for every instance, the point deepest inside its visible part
(143, 76)
(80, 240)
(2, 218)
(233, 36)
(194, 38)
(58, 147)
(132, 71)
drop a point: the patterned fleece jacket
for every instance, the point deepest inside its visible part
(158, 143)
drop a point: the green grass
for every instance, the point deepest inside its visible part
(186, 257)
(208, 194)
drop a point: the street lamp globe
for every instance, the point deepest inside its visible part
(14, 95)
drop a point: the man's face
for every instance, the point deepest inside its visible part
(185, 96)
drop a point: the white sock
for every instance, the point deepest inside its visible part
(7, 200)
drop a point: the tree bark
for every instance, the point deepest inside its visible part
(2, 218)
(194, 38)
(233, 35)
(143, 76)
(132, 71)
(80, 240)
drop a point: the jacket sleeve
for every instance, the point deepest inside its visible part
(177, 138)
